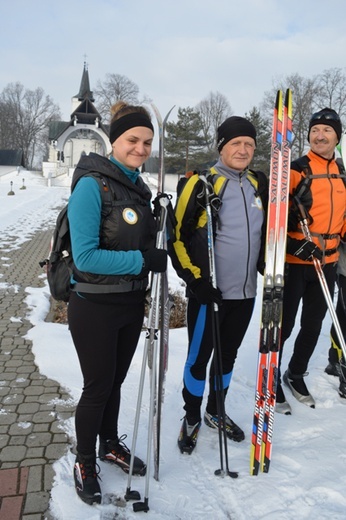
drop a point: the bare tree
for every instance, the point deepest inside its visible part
(114, 88)
(332, 91)
(304, 92)
(309, 95)
(25, 117)
(213, 110)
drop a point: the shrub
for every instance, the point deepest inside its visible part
(177, 317)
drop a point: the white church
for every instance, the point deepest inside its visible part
(68, 140)
(85, 133)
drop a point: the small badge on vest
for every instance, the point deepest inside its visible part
(130, 216)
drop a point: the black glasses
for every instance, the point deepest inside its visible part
(331, 116)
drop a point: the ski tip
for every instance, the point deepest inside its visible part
(288, 102)
(167, 115)
(278, 102)
(157, 113)
(158, 116)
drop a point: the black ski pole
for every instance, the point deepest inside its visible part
(342, 360)
(212, 200)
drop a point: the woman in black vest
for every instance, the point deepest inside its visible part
(113, 245)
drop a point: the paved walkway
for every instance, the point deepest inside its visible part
(30, 437)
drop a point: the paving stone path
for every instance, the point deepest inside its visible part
(31, 438)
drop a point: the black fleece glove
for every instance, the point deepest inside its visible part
(155, 260)
(204, 292)
(303, 249)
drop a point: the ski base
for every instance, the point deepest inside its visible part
(271, 317)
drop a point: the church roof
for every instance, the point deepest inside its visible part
(86, 112)
(56, 128)
(11, 158)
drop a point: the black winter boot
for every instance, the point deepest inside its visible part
(116, 452)
(342, 378)
(86, 479)
(333, 369)
(233, 431)
(188, 434)
(342, 388)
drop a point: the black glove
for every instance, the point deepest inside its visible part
(154, 260)
(204, 292)
(294, 217)
(303, 249)
(293, 220)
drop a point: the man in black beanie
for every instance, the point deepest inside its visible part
(239, 244)
(232, 127)
(315, 182)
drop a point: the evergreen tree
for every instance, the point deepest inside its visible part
(184, 143)
(261, 160)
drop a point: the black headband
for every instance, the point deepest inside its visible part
(119, 126)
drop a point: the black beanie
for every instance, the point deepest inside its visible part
(329, 117)
(234, 126)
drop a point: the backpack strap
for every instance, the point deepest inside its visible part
(341, 167)
(214, 185)
(302, 164)
(105, 191)
(134, 285)
(217, 180)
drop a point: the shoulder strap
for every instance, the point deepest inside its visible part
(341, 167)
(218, 181)
(259, 181)
(105, 190)
(253, 179)
(302, 164)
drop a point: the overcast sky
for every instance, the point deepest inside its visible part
(176, 51)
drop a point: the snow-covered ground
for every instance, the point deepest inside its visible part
(307, 477)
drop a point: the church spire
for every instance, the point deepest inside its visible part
(84, 89)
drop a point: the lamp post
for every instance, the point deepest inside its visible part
(11, 192)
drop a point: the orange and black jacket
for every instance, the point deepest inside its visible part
(328, 205)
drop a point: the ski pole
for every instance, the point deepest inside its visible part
(150, 358)
(322, 278)
(159, 285)
(149, 343)
(342, 362)
(212, 199)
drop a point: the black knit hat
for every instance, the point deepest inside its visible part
(328, 117)
(232, 127)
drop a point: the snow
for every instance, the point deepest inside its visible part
(307, 477)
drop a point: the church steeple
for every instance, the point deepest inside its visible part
(84, 89)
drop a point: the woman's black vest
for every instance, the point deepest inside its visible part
(127, 222)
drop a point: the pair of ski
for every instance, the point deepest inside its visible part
(273, 286)
(155, 353)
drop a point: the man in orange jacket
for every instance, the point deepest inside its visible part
(316, 180)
